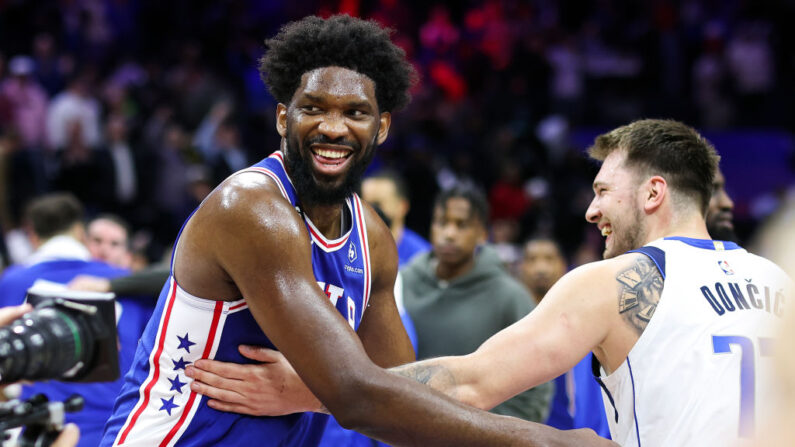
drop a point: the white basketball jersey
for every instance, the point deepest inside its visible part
(699, 375)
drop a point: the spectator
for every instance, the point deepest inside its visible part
(108, 240)
(459, 295)
(388, 191)
(74, 105)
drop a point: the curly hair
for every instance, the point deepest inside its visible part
(343, 41)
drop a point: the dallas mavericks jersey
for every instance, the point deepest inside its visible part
(699, 373)
(156, 406)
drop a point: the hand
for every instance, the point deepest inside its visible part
(271, 388)
(11, 313)
(89, 283)
(68, 437)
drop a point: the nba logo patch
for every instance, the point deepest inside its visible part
(351, 252)
(725, 267)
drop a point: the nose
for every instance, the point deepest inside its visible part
(593, 214)
(724, 201)
(333, 126)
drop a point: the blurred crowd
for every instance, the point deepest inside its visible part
(140, 108)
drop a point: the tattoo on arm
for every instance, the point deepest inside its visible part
(435, 376)
(640, 287)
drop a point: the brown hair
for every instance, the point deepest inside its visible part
(666, 148)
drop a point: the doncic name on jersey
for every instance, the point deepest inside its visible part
(742, 295)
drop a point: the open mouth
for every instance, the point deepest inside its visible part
(330, 161)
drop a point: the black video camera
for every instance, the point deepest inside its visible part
(68, 336)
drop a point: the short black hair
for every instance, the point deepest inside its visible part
(479, 206)
(401, 188)
(54, 214)
(343, 41)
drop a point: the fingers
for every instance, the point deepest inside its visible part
(68, 437)
(217, 393)
(260, 354)
(222, 369)
(231, 407)
(11, 313)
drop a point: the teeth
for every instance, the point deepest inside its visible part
(606, 231)
(331, 154)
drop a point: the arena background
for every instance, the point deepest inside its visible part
(509, 96)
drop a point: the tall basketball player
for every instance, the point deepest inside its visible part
(284, 254)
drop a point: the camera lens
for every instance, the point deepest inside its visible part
(44, 344)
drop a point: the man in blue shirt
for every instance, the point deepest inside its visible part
(61, 254)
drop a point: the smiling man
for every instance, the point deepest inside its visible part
(284, 255)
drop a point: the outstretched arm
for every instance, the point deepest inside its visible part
(544, 344)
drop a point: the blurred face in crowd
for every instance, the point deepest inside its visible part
(382, 192)
(456, 231)
(542, 265)
(107, 241)
(720, 212)
(615, 208)
(331, 128)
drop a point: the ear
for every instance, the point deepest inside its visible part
(281, 119)
(654, 193)
(483, 237)
(383, 130)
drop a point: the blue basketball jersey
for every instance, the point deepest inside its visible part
(156, 405)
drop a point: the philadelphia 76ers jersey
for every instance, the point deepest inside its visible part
(700, 373)
(156, 406)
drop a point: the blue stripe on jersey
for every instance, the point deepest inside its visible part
(708, 244)
(655, 254)
(634, 401)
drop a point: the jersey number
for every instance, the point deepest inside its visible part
(721, 344)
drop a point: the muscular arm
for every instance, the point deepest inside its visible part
(245, 228)
(575, 317)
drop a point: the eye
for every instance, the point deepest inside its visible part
(310, 109)
(356, 113)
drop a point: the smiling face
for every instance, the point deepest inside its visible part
(331, 128)
(616, 207)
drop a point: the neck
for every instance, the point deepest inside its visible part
(326, 218)
(449, 272)
(692, 226)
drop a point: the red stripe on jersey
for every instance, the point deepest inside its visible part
(274, 177)
(319, 239)
(238, 306)
(155, 363)
(365, 250)
(219, 308)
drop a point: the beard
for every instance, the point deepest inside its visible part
(632, 238)
(312, 192)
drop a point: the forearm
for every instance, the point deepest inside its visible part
(445, 375)
(400, 413)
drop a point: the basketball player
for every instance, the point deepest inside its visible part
(248, 263)
(679, 323)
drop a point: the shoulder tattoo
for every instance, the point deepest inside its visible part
(640, 287)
